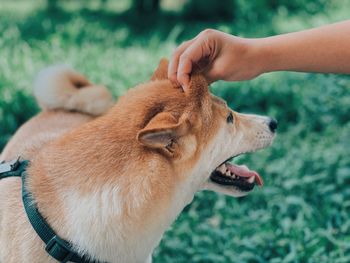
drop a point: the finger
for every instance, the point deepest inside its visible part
(183, 73)
(174, 61)
(192, 55)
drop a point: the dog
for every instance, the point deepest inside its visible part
(111, 179)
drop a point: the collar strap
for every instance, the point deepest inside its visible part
(56, 247)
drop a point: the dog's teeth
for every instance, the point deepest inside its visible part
(222, 169)
(251, 179)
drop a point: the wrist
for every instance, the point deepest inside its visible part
(264, 55)
(276, 54)
(256, 57)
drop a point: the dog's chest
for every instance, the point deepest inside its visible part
(104, 226)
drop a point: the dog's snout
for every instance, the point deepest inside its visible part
(273, 125)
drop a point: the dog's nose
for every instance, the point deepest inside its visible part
(273, 125)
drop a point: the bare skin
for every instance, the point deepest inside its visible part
(221, 56)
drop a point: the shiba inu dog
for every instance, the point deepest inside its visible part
(111, 185)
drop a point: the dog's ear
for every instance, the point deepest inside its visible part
(198, 92)
(198, 87)
(163, 131)
(162, 70)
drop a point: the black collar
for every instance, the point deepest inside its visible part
(56, 247)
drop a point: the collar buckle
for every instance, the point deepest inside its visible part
(6, 167)
(59, 249)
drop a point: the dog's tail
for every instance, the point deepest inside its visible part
(60, 87)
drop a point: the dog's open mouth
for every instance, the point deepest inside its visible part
(240, 177)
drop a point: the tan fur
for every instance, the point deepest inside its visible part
(113, 185)
(60, 87)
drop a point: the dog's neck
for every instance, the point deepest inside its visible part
(106, 207)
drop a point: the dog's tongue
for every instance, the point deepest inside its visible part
(243, 171)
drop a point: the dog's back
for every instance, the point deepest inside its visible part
(67, 99)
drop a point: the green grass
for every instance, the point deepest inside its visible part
(302, 213)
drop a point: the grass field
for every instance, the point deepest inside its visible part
(302, 214)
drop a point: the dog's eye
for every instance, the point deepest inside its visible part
(230, 118)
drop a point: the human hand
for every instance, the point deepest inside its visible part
(217, 55)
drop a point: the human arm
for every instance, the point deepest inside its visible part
(219, 55)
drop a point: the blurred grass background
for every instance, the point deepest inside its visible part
(302, 213)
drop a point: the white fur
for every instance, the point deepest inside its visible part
(119, 242)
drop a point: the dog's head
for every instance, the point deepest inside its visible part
(196, 133)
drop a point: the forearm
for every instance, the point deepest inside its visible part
(325, 49)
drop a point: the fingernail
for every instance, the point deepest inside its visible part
(184, 87)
